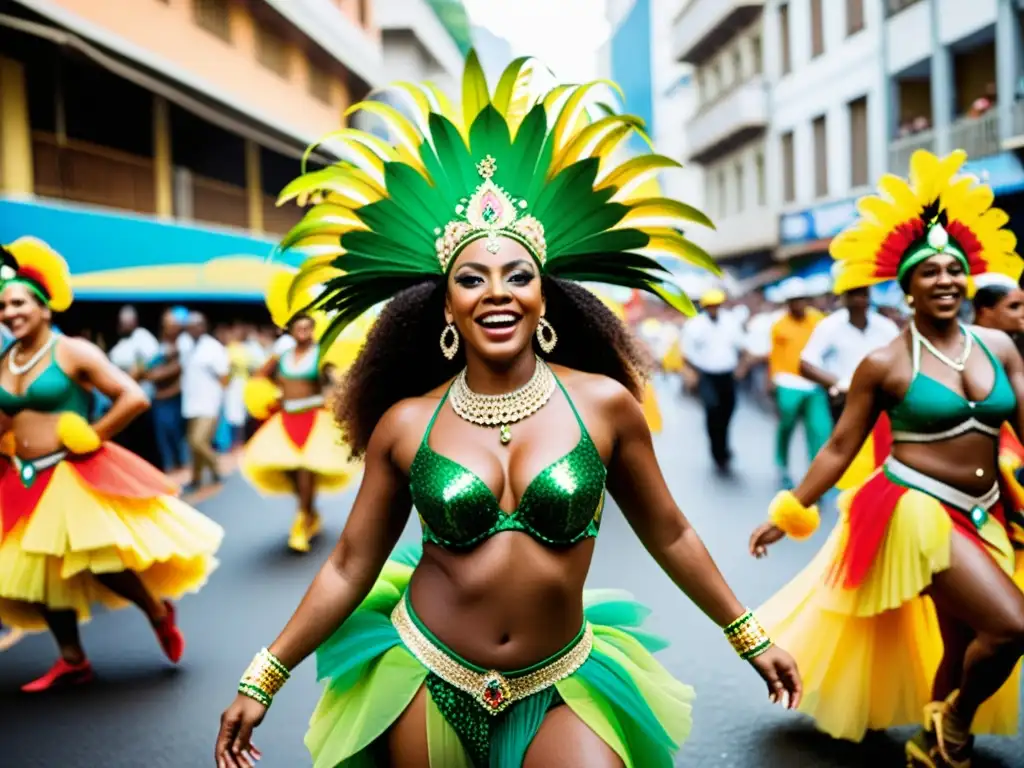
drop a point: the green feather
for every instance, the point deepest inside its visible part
(475, 95)
(506, 85)
(418, 203)
(387, 216)
(582, 222)
(378, 245)
(453, 155)
(611, 240)
(571, 187)
(612, 260)
(489, 136)
(526, 151)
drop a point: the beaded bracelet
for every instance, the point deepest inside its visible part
(263, 678)
(748, 637)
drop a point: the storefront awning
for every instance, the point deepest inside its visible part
(116, 256)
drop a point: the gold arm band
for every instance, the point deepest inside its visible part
(263, 678)
(748, 637)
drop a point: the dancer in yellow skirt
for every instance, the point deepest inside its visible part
(299, 449)
(81, 519)
(911, 605)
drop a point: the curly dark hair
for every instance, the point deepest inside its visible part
(401, 357)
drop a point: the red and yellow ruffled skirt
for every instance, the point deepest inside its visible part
(288, 441)
(865, 638)
(105, 512)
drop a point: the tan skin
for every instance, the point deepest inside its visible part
(1007, 315)
(35, 433)
(510, 601)
(301, 329)
(166, 378)
(981, 610)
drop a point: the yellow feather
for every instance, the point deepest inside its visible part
(408, 137)
(664, 213)
(573, 114)
(475, 95)
(634, 172)
(669, 243)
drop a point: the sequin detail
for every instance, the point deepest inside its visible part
(561, 506)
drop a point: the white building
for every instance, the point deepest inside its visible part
(416, 46)
(722, 41)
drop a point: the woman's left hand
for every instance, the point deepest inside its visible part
(782, 676)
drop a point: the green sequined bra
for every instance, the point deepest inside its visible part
(561, 506)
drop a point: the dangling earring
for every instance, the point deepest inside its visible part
(910, 300)
(546, 336)
(449, 348)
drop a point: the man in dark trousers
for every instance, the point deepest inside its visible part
(713, 350)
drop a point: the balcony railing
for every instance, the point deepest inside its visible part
(217, 202)
(892, 7)
(88, 173)
(902, 148)
(977, 136)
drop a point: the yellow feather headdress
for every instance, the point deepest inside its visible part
(909, 220)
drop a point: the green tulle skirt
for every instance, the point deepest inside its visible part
(621, 692)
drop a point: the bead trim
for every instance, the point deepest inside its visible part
(493, 691)
(748, 637)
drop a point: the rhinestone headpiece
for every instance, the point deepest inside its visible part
(492, 213)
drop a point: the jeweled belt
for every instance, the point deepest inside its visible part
(976, 507)
(29, 469)
(493, 690)
(302, 404)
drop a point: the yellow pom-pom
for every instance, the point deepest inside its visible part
(792, 517)
(76, 434)
(260, 395)
(7, 444)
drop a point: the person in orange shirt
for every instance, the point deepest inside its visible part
(797, 398)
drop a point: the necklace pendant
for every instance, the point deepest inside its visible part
(505, 434)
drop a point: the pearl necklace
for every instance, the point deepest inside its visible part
(505, 409)
(960, 363)
(20, 370)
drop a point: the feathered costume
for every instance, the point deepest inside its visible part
(865, 638)
(536, 168)
(90, 508)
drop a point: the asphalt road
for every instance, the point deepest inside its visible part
(140, 712)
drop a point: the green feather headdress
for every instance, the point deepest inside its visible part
(535, 168)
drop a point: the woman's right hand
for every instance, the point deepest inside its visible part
(763, 537)
(234, 746)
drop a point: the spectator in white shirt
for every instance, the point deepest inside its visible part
(205, 373)
(713, 349)
(840, 342)
(135, 350)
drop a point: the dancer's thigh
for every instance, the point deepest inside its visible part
(566, 741)
(407, 739)
(975, 591)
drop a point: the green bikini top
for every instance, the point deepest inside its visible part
(930, 411)
(561, 506)
(308, 369)
(52, 391)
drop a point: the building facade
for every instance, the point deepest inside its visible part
(722, 40)
(148, 141)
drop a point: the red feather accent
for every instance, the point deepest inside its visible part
(31, 273)
(970, 244)
(895, 245)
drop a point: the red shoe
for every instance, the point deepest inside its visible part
(170, 637)
(61, 675)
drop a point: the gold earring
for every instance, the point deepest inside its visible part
(910, 300)
(546, 336)
(449, 348)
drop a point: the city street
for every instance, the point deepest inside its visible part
(141, 712)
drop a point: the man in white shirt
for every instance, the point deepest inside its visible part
(135, 349)
(712, 348)
(840, 342)
(205, 373)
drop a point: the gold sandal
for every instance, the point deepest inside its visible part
(935, 746)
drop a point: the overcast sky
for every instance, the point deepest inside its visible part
(564, 34)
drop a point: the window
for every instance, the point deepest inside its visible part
(737, 66)
(787, 65)
(710, 192)
(817, 30)
(214, 16)
(859, 142)
(854, 16)
(723, 197)
(759, 173)
(788, 170)
(271, 50)
(820, 157)
(755, 48)
(319, 83)
(740, 197)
